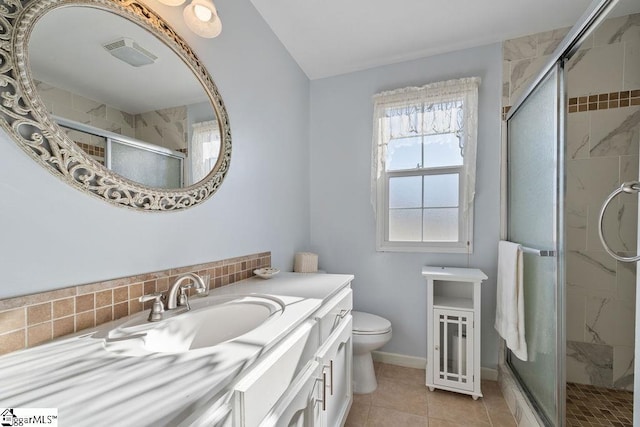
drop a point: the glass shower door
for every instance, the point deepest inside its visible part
(535, 186)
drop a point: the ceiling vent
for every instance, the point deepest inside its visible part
(130, 51)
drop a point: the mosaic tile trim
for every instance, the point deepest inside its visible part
(588, 405)
(30, 320)
(604, 101)
(505, 111)
(92, 150)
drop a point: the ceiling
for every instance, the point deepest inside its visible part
(74, 60)
(331, 37)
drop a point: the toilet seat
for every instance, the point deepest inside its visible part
(369, 324)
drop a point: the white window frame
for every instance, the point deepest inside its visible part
(466, 182)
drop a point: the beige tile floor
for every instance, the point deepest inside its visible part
(402, 400)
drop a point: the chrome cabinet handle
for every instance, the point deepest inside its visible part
(330, 366)
(336, 321)
(629, 187)
(331, 375)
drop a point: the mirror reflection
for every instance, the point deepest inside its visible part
(124, 97)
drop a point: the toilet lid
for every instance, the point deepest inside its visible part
(367, 323)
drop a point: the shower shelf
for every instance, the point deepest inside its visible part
(453, 302)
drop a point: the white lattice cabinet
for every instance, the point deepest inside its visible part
(453, 329)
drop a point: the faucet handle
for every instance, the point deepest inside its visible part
(183, 298)
(156, 295)
(157, 309)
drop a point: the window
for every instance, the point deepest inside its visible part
(423, 174)
(205, 148)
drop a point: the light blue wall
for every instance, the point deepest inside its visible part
(52, 235)
(299, 180)
(342, 221)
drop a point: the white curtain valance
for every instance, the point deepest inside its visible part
(444, 107)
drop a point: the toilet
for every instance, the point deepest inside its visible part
(370, 332)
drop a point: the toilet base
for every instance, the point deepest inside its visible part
(364, 375)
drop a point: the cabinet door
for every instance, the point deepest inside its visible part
(335, 356)
(256, 393)
(453, 348)
(300, 405)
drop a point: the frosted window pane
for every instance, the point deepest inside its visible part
(532, 149)
(405, 192)
(405, 225)
(145, 167)
(442, 150)
(404, 153)
(532, 159)
(441, 191)
(441, 225)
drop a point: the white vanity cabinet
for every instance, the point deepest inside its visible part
(305, 380)
(453, 331)
(301, 405)
(258, 391)
(335, 357)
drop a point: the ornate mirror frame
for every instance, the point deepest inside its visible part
(24, 117)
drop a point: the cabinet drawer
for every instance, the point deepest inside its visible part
(255, 394)
(334, 313)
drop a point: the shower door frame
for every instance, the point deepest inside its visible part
(558, 247)
(596, 12)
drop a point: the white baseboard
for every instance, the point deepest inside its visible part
(399, 359)
(421, 362)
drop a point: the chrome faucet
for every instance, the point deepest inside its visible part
(173, 300)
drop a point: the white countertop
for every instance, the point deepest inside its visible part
(454, 274)
(91, 386)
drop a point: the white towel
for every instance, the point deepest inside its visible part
(510, 298)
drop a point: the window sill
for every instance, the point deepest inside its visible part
(408, 247)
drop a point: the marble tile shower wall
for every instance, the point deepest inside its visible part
(166, 127)
(30, 320)
(602, 152)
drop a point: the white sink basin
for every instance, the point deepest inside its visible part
(211, 321)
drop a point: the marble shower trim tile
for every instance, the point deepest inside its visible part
(616, 30)
(595, 359)
(623, 361)
(615, 133)
(596, 70)
(592, 271)
(520, 48)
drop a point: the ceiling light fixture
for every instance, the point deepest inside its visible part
(200, 16)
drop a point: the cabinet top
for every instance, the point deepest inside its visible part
(453, 274)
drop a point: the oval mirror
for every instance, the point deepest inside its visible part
(117, 104)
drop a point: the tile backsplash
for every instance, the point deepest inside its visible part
(29, 320)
